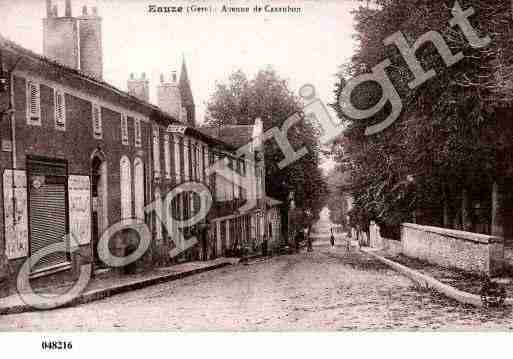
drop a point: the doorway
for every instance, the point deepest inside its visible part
(99, 217)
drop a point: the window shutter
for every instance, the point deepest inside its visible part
(137, 126)
(124, 129)
(167, 157)
(156, 152)
(60, 110)
(33, 103)
(97, 122)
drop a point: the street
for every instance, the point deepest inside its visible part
(327, 289)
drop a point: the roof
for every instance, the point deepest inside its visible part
(235, 135)
(131, 101)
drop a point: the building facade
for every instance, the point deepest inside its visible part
(80, 157)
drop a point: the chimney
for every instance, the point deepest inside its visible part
(68, 8)
(49, 8)
(169, 98)
(84, 10)
(60, 36)
(139, 87)
(90, 37)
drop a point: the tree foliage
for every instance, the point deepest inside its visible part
(267, 96)
(454, 131)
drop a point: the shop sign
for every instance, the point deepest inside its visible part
(15, 214)
(79, 201)
(176, 129)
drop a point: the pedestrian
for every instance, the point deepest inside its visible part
(332, 238)
(264, 246)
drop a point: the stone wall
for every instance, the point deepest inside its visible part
(390, 246)
(472, 252)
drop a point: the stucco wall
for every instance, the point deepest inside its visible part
(389, 246)
(473, 252)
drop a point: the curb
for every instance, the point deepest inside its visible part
(428, 282)
(99, 294)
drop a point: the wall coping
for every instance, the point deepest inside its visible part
(454, 233)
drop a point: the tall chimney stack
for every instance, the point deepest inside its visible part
(139, 87)
(168, 96)
(60, 36)
(91, 51)
(68, 8)
(48, 8)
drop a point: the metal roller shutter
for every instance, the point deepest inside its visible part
(48, 211)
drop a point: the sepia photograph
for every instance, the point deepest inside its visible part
(255, 166)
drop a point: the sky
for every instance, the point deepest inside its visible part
(303, 48)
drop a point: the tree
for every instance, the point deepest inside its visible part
(454, 134)
(337, 180)
(267, 96)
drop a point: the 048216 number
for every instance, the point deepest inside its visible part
(56, 345)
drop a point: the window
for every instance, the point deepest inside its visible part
(192, 147)
(206, 165)
(158, 214)
(167, 157)
(126, 188)
(186, 159)
(139, 188)
(177, 149)
(97, 122)
(137, 130)
(156, 152)
(201, 163)
(124, 129)
(33, 104)
(60, 110)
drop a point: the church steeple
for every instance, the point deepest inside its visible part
(186, 95)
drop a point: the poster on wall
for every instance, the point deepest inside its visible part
(79, 197)
(15, 214)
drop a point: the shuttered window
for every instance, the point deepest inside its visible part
(137, 132)
(126, 188)
(186, 159)
(139, 188)
(97, 122)
(156, 152)
(124, 129)
(167, 157)
(177, 148)
(158, 214)
(60, 110)
(33, 103)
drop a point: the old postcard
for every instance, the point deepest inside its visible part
(255, 166)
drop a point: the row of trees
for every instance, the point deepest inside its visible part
(454, 138)
(267, 96)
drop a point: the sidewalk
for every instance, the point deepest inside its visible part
(110, 284)
(463, 290)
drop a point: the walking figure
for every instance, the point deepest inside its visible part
(332, 238)
(309, 241)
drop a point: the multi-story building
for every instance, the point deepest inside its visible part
(79, 156)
